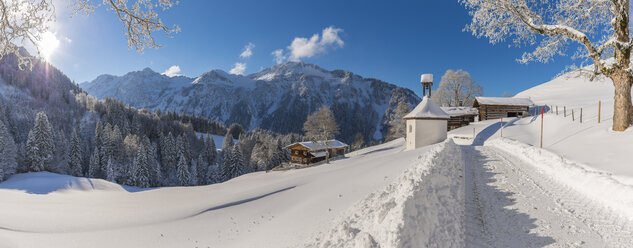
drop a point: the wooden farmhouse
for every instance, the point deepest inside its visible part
(312, 152)
(500, 107)
(460, 116)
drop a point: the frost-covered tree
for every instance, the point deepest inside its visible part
(28, 21)
(169, 154)
(201, 169)
(321, 127)
(8, 153)
(359, 141)
(228, 141)
(140, 170)
(94, 169)
(210, 150)
(397, 126)
(457, 89)
(40, 146)
(193, 173)
(182, 170)
(75, 156)
(110, 174)
(600, 29)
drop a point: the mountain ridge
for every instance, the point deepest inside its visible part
(278, 98)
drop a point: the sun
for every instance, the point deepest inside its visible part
(47, 45)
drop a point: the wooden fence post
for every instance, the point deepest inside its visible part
(599, 107)
(541, 127)
(565, 111)
(580, 115)
(556, 109)
(572, 115)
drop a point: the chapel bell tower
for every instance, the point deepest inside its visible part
(427, 82)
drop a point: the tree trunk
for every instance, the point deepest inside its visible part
(622, 108)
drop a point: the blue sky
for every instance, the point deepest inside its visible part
(394, 41)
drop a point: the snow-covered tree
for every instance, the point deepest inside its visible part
(140, 171)
(228, 141)
(359, 141)
(210, 150)
(321, 126)
(8, 153)
(457, 89)
(40, 146)
(397, 126)
(182, 170)
(193, 173)
(94, 169)
(27, 22)
(110, 174)
(599, 28)
(75, 156)
(201, 169)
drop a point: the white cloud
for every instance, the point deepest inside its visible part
(172, 71)
(306, 48)
(238, 69)
(68, 40)
(248, 50)
(279, 56)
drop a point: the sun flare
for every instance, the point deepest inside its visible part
(48, 45)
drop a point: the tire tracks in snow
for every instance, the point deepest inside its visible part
(511, 204)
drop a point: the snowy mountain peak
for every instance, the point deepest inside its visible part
(277, 98)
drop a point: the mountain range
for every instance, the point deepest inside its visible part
(278, 98)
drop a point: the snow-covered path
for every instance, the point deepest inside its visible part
(511, 204)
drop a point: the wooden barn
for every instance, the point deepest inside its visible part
(499, 107)
(460, 116)
(312, 152)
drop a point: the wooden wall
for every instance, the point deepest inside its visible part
(487, 112)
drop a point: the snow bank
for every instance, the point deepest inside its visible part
(47, 182)
(597, 185)
(423, 208)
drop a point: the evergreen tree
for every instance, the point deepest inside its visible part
(182, 170)
(93, 167)
(40, 145)
(226, 169)
(210, 150)
(110, 175)
(169, 155)
(8, 153)
(238, 162)
(227, 142)
(193, 173)
(214, 174)
(201, 169)
(140, 170)
(98, 134)
(75, 157)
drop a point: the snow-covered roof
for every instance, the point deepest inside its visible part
(427, 109)
(315, 146)
(512, 101)
(426, 78)
(318, 154)
(457, 111)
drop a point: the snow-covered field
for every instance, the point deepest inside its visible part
(277, 209)
(484, 191)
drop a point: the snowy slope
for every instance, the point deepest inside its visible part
(277, 209)
(590, 143)
(277, 98)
